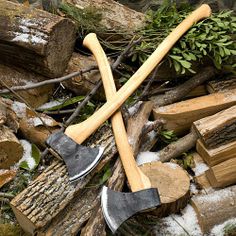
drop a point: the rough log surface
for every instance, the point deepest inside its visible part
(215, 208)
(222, 174)
(221, 85)
(51, 192)
(217, 129)
(10, 148)
(15, 76)
(172, 183)
(180, 116)
(214, 156)
(35, 39)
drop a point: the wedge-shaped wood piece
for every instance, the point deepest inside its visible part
(180, 116)
(217, 129)
(214, 156)
(223, 174)
(35, 39)
(215, 208)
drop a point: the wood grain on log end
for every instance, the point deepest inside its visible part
(10, 148)
(173, 185)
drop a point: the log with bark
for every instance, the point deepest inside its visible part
(15, 76)
(217, 129)
(11, 149)
(180, 116)
(214, 156)
(215, 208)
(222, 174)
(35, 39)
(172, 183)
(219, 85)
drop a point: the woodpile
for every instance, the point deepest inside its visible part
(197, 168)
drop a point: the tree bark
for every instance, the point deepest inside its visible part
(10, 148)
(217, 129)
(218, 85)
(215, 208)
(180, 116)
(35, 39)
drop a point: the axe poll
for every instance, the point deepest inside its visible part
(118, 207)
(66, 144)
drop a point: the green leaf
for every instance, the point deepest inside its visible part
(177, 66)
(185, 64)
(35, 152)
(177, 58)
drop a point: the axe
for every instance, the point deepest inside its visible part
(118, 207)
(81, 160)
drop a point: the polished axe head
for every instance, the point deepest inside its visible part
(79, 160)
(117, 207)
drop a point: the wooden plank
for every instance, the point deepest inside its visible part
(215, 208)
(214, 156)
(180, 116)
(223, 174)
(35, 39)
(217, 129)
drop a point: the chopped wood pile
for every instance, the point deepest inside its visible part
(182, 132)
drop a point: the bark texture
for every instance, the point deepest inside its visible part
(35, 39)
(215, 86)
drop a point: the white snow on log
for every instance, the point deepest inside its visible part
(134, 109)
(219, 229)
(27, 154)
(172, 165)
(35, 121)
(200, 168)
(19, 108)
(146, 157)
(29, 33)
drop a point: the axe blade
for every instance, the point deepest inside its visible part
(79, 160)
(117, 207)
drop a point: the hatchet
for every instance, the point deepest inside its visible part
(118, 207)
(66, 144)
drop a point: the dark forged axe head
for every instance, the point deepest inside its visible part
(79, 159)
(117, 207)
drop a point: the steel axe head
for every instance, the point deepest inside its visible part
(117, 207)
(79, 160)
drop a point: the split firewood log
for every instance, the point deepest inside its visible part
(215, 208)
(222, 174)
(35, 39)
(15, 76)
(172, 183)
(10, 148)
(218, 85)
(217, 129)
(180, 116)
(214, 156)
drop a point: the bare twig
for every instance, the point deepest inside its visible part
(46, 82)
(6, 195)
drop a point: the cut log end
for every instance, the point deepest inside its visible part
(172, 183)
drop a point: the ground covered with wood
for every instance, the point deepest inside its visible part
(166, 122)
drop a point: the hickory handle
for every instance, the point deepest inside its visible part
(137, 180)
(83, 130)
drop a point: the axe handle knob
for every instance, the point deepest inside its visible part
(137, 180)
(82, 131)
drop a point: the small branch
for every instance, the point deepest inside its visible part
(6, 195)
(46, 82)
(154, 125)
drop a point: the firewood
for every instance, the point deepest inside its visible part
(52, 192)
(115, 17)
(203, 183)
(218, 85)
(173, 186)
(10, 148)
(214, 156)
(215, 208)
(15, 76)
(217, 129)
(180, 116)
(83, 84)
(222, 174)
(35, 39)
(3, 113)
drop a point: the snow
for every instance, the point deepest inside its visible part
(200, 168)
(19, 108)
(27, 154)
(29, 33)
(218, 230)
(133, 110)
(35, 121)
(146, 157)
(172, 165)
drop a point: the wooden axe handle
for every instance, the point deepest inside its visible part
(80, 132)
(137, 180)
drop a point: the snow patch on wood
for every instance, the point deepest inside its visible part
(146, 157)
(200, 168)
(219, 229)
